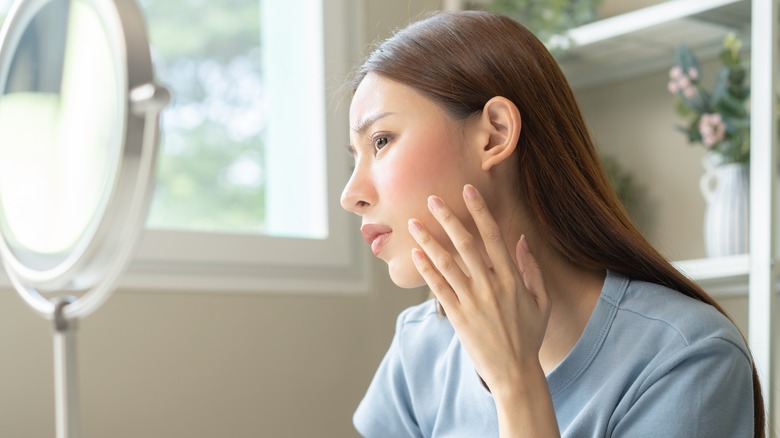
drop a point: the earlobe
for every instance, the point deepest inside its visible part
(501, 119)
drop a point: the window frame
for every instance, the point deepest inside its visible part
(214, 262)
(183, 261)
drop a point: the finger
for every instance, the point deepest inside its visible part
(441, 259)
(489, 231)
(531, 273)
(439, 286)
(465, 243)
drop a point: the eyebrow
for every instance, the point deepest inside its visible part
(366, 122)
(362, 126)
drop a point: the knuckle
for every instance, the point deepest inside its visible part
(439, 285)
(426, 269)
(446, 215)
(493, 234)
(510, 284)
(445, 262)
(423, 238)
(422, 265)
(467, 244)
(479, 207)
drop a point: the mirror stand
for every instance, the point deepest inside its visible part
(84, 99)
(66, 381)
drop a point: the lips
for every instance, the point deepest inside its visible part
(376, 236)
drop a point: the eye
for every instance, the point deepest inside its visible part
(380, 142)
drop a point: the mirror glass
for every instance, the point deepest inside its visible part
(61, 125)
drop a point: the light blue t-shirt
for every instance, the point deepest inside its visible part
(651, 362)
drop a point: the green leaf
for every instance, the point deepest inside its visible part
(731, 106)
(720, 88)
(686, 59)
(682, 108)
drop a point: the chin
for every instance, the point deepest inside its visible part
(404, 274)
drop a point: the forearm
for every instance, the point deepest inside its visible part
(525, 409)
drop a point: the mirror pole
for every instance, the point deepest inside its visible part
(66, 395)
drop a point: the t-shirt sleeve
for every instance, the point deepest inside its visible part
(706, 390)
(386, 409)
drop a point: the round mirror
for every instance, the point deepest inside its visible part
(78, 135)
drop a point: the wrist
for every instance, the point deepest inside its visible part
(525, 407)
(523, 383)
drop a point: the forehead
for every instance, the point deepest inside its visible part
(377, 95)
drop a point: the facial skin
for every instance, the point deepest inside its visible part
(406, 149)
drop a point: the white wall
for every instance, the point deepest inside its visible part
(634, 120)
(203, 365)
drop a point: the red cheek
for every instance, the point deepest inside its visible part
(423, 164)
(409, 176)
(415, 172)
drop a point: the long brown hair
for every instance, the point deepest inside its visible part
(462, 60)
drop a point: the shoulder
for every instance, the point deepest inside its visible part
(420, 313)
(422, 327)
(654, 362)
(655, 309)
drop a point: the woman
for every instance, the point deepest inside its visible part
(474, 173)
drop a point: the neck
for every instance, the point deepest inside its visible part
(574, 291)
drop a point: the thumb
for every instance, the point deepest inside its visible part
(530, 271)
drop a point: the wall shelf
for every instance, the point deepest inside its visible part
(644, 40)
(719, 276)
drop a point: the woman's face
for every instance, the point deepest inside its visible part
(406, 148)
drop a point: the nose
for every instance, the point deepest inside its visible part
(359, 193)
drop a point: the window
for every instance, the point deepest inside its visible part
(251, 164)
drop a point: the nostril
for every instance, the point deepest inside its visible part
(363, 204)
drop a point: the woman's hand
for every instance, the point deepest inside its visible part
(499, 309)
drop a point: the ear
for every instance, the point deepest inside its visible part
(500, 127)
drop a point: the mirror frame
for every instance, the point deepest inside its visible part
(95, 264)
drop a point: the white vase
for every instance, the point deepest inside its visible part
(726, 188)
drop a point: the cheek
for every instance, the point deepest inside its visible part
(423, 169)
(411, 182)
(415, 176)
(405, 179)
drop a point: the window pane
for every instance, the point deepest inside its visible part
(216, 168)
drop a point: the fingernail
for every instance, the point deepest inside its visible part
(415, 226)
(434, 203)
(470, 191)
(417, 255)
(524, 242)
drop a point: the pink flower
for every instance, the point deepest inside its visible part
(693, 73)
(673, 87)
(689, 91)
(676, 72)
(712, 129)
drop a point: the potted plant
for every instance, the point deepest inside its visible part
(718, 120)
